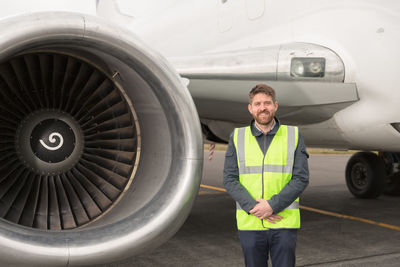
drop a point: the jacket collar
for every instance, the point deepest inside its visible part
(256, 132)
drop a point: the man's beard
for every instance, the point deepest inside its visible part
(264, 120)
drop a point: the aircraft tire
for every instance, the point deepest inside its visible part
(393, 185)
(365, 175)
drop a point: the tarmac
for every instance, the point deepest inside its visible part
(337, 228)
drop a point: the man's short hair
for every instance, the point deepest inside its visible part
(262, 89)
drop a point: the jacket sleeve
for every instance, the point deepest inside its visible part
(299, 181)
(231, 179)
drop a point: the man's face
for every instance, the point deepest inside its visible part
(263, 108)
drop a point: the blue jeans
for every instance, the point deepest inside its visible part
(280, 244)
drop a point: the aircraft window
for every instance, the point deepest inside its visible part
(224, 1)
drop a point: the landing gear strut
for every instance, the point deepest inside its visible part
(365, 175)
(392, 162)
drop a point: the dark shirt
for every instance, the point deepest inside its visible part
(288, 194)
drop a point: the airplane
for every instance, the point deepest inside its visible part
(105, 104)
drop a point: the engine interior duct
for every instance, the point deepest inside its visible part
(101, 145)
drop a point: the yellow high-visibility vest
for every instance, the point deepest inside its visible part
(264, 177)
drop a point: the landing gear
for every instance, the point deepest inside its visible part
(392, 162)
(393, 185)
(365, 175)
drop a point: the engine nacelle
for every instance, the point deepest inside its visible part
(101, 146)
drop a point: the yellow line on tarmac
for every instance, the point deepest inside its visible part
(329, 213)
(213, 187)
(393, 227)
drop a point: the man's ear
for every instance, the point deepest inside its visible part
(249, 107)
(276, 105)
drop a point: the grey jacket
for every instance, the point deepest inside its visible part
(288, 194)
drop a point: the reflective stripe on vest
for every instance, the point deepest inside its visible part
(263, 179)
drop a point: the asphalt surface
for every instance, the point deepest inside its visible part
(209, 237)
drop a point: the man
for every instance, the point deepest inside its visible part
(265, 171)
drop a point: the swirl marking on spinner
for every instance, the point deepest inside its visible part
(53, 140)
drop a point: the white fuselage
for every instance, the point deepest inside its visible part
(364, 34)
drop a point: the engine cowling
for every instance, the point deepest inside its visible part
(101, 143)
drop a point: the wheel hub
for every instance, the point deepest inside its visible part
(359, 175)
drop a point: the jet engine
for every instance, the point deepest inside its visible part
(101, 145)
